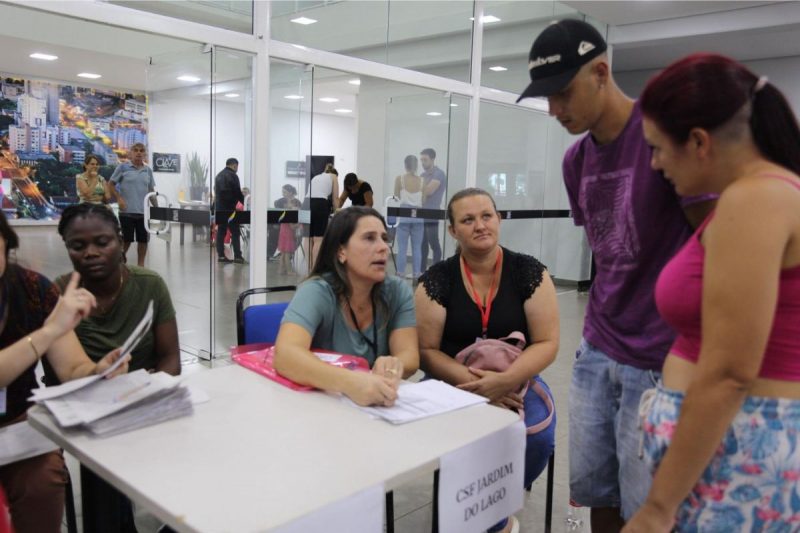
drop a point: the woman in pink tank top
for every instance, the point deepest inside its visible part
(721, 434)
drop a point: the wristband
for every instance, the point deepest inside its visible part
(33, 347)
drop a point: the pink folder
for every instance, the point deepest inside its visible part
(259, 359)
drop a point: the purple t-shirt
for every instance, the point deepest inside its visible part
(634, 223)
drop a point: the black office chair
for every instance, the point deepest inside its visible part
(259, 323)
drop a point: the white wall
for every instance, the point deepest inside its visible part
(183, 125)
(290, 140)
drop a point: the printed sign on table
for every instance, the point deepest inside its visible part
(481, 483)
(360, 513)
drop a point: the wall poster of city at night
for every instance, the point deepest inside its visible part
(46, 132)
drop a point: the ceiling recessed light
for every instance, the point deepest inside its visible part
(293, 97)
(355, 81)
(305, 21)
(232, 95)
(188, 78)
(433, 114)
(46, 57)
(342, 110)
(453, 105)
(487, 19)
(498, 68)
(89, 75)
(329, 99)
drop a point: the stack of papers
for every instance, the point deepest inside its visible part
(110, 406)
(20, 441)
(421, 400)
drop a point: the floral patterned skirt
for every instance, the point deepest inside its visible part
(751, 483)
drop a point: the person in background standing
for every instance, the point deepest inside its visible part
(227, 193)
(435, 187)
(90, 184)
(323, 191)
(287, 238)
(135, 180)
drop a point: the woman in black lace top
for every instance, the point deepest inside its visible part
(485, 290)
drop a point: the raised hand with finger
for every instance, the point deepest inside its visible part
(73, 306)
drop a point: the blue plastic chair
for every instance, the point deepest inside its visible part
(259, 323)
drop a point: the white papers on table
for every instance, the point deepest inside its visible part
(421, 400)
(108, 396)
(169, 404)
(20, 441)
(128, 346)
(127, 402)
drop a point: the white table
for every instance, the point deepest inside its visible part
(258, 455)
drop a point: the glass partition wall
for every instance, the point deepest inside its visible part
(231, 101)
(180, 123)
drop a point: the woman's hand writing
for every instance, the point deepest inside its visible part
(372, 389)
(388, 366)
(490, 384)
(72, 307)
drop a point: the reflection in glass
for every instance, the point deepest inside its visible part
(236, 15)
(432, 36)
(290, 149)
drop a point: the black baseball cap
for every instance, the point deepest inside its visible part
(558, 53)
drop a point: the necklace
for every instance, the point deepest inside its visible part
(484, 308)
(103, 309)
(371, 343)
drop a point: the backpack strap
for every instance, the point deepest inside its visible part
(551, 409)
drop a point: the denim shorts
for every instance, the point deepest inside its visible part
(605, 469)
(751, 483)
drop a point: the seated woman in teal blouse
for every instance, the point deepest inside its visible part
(349, 305)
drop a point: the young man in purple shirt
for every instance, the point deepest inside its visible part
(634, 223)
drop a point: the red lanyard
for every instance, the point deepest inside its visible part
(487, 309)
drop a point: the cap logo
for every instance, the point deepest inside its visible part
(539, 61)
(585, 47)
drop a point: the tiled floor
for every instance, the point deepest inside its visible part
(190, 273)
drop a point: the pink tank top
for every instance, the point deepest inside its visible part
(679, 294)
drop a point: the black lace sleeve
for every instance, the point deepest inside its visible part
(526, 271)
(437, 280)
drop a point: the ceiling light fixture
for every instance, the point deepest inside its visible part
(355, 81)
(453, 105)
(232, 95)
(342, 110)
(498, 68)
(189, 78)
(328, 99)
(305, 21)
(433, 114)
(293, 97)
(89, 75)
(45, 57)
(487, 19)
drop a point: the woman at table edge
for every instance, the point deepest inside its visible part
(34, 323)
(349, 305)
